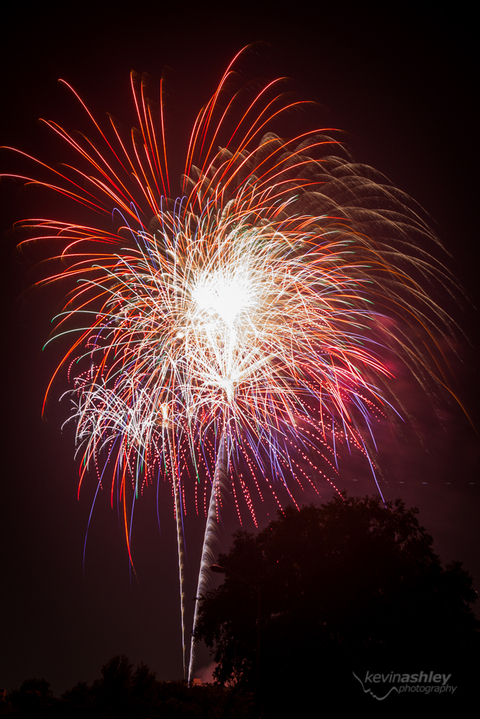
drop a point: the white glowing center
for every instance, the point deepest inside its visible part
(225, 294)
(219, 345)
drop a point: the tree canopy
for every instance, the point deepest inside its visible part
(123, 691)
(352, 583)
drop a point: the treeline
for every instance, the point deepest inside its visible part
(310, 609)
(123, 691)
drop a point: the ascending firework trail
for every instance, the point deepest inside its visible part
(209, 541)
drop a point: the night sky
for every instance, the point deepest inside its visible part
(405, 88)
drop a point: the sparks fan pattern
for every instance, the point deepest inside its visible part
(238, 331)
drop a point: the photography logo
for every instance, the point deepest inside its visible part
(380, 686)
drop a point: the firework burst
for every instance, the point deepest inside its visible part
(240, 333)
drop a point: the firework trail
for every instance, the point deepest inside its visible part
(209, 542)
(241, 334)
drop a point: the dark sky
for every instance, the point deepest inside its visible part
(405, 86)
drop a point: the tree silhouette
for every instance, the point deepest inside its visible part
(112, 691)
(344, 586)
(81, 695)
(143, 690)
(31, 696)
(121, 692)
